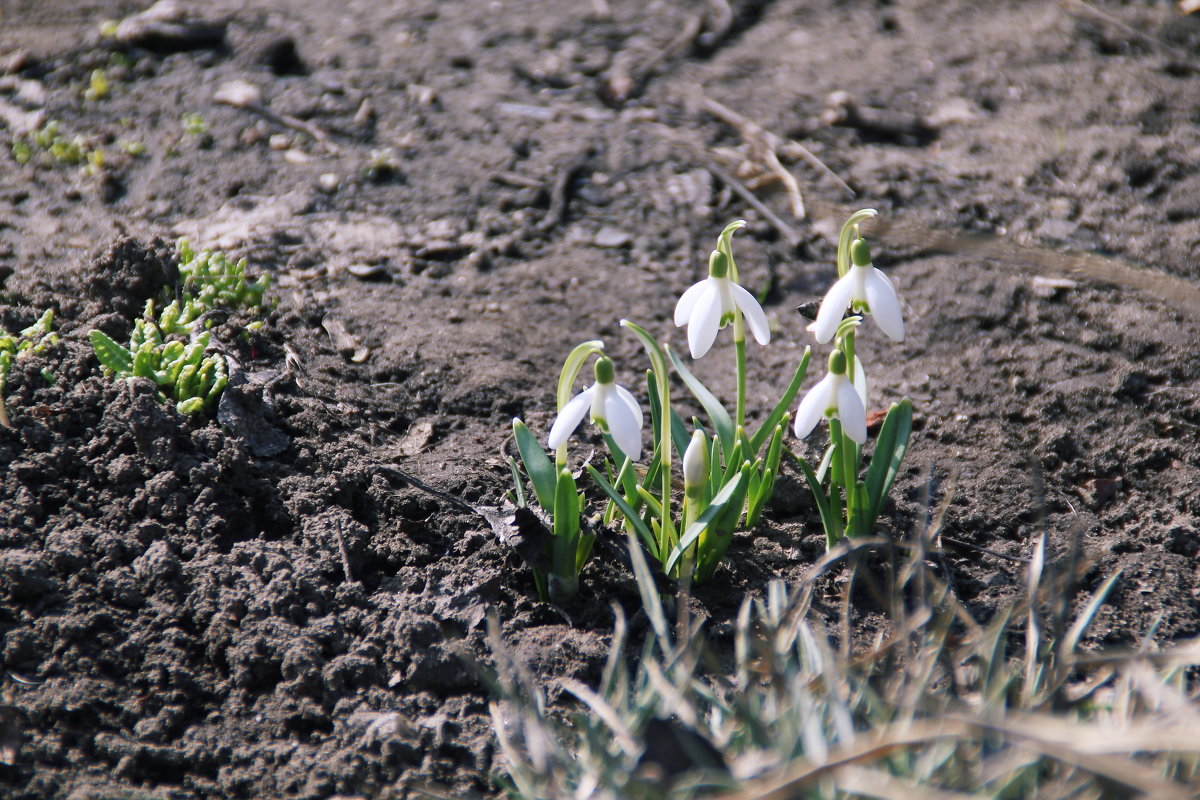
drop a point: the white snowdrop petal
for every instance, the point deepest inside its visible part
(704, 323)
(631, 403)
(885, 306)
(887, 280)
(687, 302)
(569, 418)
(623, 426)
(812, 407)
(860, 381)
(756, 318)
(833, 307)
(851, 412)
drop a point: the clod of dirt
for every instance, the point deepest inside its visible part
(279, 54)
(242, 411)
(163, 28)
(128, 273)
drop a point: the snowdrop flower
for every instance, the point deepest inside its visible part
(712, 304)
(866, 288)
(833, 396)
(613, 410)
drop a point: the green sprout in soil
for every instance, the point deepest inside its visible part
(56, 148)
(381, 166)
(173, 347)
(193, 124)
(184, 372)
(212, 280)
(729, 472)
(34, 339)
(97, 86)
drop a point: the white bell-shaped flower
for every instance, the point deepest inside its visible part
(613, 409)
(709, 305)
(866, 289)
(833, 396)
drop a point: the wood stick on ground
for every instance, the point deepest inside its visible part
(699, 153)
(247, 96)
(624, 80)
(1087, 9)
(767, 146)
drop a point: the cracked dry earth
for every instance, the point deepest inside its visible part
(450, 194)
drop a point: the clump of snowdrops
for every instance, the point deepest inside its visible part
(173, 347)
(728, 469)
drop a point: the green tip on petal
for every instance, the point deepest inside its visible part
(604, 370)
(860, 253)
(718, 264)
(837, 363)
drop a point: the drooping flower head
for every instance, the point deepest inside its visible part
(867, 290)
(711, 304)
(613, 410)
(833, 396)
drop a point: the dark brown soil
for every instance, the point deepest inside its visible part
(507, 179)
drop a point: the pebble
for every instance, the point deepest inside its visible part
(611, 237)
(328, 182)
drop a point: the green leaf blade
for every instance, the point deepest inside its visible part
(538, 465)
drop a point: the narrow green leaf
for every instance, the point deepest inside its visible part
(518, 482)
(829, 520)
(679, 434)
(143, 361)
(185, 388)
(41, 327)
(566, 526)
(1080, 626)
(733, 493)
(860, 520)
(627, 478)
(781, 408)
(721, 421)
(759, 500)
(890, 447)
(631, 516)
(733, 462)
(190, 406)
(728, 519)
(649, 593)
(111, 355)
(538, 465)
(652, 503)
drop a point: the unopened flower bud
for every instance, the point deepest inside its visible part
(695, 463)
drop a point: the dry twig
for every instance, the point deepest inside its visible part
(766, 148)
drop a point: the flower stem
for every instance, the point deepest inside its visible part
(739, 351)
(658, 364)
(848, 349)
